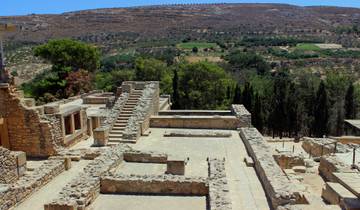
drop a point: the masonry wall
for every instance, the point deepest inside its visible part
(27, 131)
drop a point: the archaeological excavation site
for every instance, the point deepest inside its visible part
(130, 151)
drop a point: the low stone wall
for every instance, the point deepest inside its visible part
(147, 105)
(329, 165)
(322, 146)
(148, 157)
(84, 189)
(278, 188)
(242, 114)
(196, 112)
(145, 184)
(198, 133)
(10, 195)
(219, 198)
(196, 122)
(289, 160)
(8, 167)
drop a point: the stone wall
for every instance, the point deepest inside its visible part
(242, 114)
(289, 160)
(322, 146)
(219, 198)
(198, 133)
(147, 105)
(145, 157)
(85, 188)
(329, 165)
(195, 122)
(278, 188)
(152, 184)
(27, 130)
(12, 194)
(8, 167)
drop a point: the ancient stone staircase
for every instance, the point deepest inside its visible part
(122, 120)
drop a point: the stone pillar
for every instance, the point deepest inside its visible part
(101, 136)
(175, 167)
(72, 124)
(89, 127)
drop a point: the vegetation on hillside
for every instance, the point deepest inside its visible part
(283, 101)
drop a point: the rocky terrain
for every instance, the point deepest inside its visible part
(156, 22)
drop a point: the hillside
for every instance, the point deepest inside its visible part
(178, 21)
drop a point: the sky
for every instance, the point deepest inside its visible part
(24, 7)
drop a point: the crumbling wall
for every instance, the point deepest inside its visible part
(242, 114)
(161, 184)
(14, 193)
(8, 166)
(322, 146)
(219, 198)
(85, 188)
(277, 186)
(329, 165)
(289, 160)
(145, 157)
(27, 131)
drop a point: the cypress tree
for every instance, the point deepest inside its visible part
(321, 112)
(237, 95)
(257, 114)
(292, 111)
(247, 96)
(176, 97)
(350, 109)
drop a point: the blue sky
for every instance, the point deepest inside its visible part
(23, 7)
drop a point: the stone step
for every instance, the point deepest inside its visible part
(123, 118)
(116, 132)
(122, 141)
(125, 115)
(126, 112)
(118, 129)
(121, 121)
(120, 125)
(115, 136)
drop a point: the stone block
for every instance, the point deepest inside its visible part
(249, 161)
(21, 170)
(67, 163)
(51, 108)
(334, 193)
(20, 158)
(101, 136)
(299, 169)
(175, 167)
(69, 205)
(29, 102)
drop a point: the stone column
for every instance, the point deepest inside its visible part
(72, 124)
(101, 136)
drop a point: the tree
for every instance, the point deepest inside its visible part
(247, 95)
(70, 53)
(78, 82)
(248, 60)
(321, 112)
(175, 95)
(237, 95)
(350, 108)
(278, 119)
(201, 86)
(257, 114)
(292, 111)
(154, 70)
